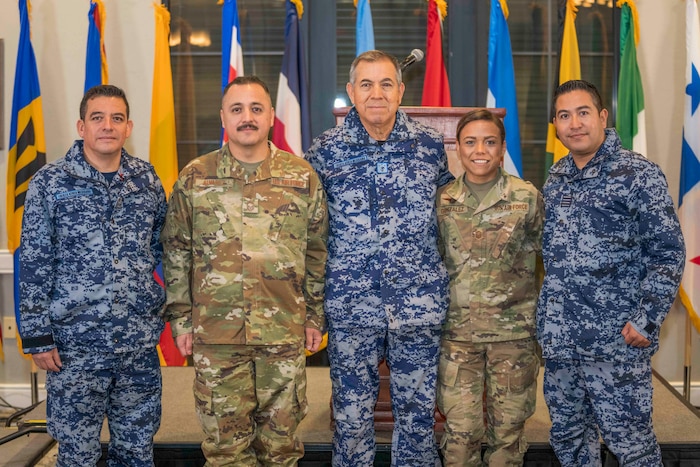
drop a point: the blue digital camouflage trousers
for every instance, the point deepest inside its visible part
(615, 399)
(411, 354)
(124, 387)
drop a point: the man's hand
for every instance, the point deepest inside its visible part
(313, 339)
(49, 361)
(184, 344)
(633, 338)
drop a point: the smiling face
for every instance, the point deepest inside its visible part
(579, 124)
(247, 116)
(481, 148)
(104, 129)
(376, 95)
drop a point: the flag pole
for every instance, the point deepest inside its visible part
(688, 355)
(34, 383)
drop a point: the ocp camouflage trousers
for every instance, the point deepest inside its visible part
(250, 401)
(507, 372)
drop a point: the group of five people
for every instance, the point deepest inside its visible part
(369, 237)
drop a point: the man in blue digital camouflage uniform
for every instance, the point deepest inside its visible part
(89, 303)
(614, 255)
(386, 286)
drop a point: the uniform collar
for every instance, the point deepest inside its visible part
(566, 166)
(78, 166)
(355, 132)
(458, 191)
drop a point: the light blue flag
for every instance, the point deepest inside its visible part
(364, 31)
(502, 85)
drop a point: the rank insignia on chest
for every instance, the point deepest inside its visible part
(250, 206)
(382, 167)
(566, 201)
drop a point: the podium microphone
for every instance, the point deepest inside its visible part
(416, 55)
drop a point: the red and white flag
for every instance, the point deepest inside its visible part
(292, 130)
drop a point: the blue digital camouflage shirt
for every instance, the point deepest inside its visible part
(383, 265)
(89, 249)
(613, 252)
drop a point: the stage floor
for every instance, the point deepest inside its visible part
(677, 424)
(675, 421)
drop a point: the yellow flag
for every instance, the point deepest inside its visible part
(569, 68)
(163, 146)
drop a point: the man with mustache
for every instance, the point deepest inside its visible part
(614, 254)
(244, 259)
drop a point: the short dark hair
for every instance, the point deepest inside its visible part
(248, 79)
(102, 90)
(577, 85)
(375, 56)
(481, 114)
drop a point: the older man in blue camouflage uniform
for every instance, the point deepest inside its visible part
(386, 289)
(89, 302)
(614, 256)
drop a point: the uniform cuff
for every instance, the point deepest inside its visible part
(180, 326)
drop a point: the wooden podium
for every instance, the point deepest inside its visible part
(443, 119)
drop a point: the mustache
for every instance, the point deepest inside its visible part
(247, 126)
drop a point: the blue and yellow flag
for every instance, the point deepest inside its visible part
(96, 71)
(27, 144)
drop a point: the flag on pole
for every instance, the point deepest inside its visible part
(364, 31)
(292, 129)
(569, 68)
(501, 91)
(163, 143)
(163, 149)
(96, 71)
(689, 209)
(27, 144)
(231, 50)
(436, 88)
(630, 122)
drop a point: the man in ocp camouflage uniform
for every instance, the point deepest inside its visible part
(490, 233)
(387, 285)
(89, 303)
(245, 253)
(614, 254)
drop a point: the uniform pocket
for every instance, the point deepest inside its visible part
(448, 372)
(520, 379)
(508, 241)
